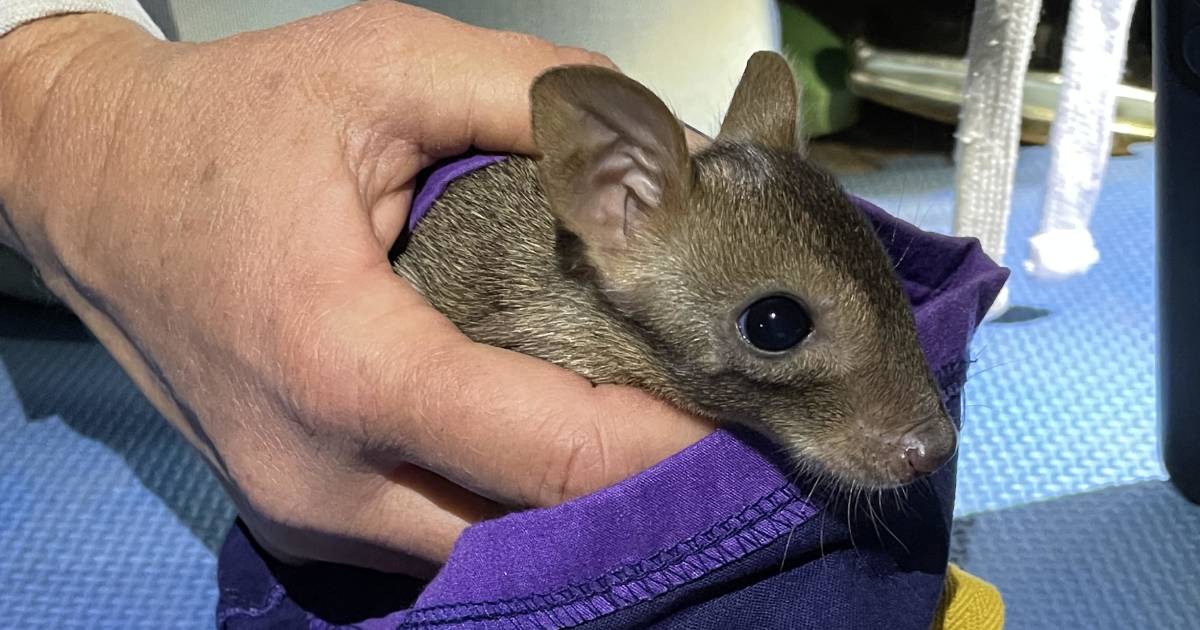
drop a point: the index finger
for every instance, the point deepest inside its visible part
(468, 85)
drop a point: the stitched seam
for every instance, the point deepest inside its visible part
(272, 600)
(777, 501)
(583, 607)
(654, 558)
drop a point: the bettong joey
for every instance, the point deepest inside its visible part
(739, 283)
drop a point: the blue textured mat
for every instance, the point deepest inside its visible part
(108, 520)
(1123, 557)
(1062, 404)
(1065, 402)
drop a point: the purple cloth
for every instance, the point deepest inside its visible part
(433, 182)
(677, 539)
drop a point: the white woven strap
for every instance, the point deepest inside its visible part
(14, 13)
(1081, 137)
(989, 127)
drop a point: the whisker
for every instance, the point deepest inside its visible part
(903, 254)
(889, 530)
(980, 350)
(807, 500)
(974, 375)
(850, 519)
(787, 543)
(873, 517)
(821, 534)
(813, 489)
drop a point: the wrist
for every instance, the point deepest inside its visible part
(60, 80)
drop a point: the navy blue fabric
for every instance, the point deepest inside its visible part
(337, 593)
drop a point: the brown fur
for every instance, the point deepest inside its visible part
(653, 302)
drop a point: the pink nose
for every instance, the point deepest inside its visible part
(929, 446)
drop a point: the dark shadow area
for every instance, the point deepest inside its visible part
(337, 594)
(1019, 314)
(59, 370)
(881, 135)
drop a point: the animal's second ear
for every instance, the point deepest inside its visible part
(764, 105)
(613, 155)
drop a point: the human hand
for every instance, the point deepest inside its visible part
(219, 215)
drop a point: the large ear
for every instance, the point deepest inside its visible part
(613, 155)
(764, 105)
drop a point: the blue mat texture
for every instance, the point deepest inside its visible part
(107, 520)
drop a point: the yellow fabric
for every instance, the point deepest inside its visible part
(969, 603)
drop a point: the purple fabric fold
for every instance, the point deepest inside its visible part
(431, 185)
(680, 522)
(637, 513)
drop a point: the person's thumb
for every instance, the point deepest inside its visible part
(511, 427)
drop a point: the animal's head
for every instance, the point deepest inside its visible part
(763, 290)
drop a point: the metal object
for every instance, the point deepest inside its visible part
(931, 86)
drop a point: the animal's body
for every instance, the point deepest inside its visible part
(739, 283)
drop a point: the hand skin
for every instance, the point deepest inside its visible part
(219, 215)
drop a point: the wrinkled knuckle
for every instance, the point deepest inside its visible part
(376, 27)
(516, 41)
(549, 52)
(367, 12)
(571, 55)
(371, 18)
(388, 7)
(342, 39)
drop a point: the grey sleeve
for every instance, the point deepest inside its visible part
(14, 13)
(17, 278)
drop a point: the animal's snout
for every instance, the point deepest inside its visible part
(928, 447)
(886, 449)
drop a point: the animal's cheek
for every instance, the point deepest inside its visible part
(809, 413)
(724, 396)
(712, 362)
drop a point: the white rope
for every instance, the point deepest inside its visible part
(989, 125)
(1081, 136)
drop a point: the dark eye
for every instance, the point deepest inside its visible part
(774, 323)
